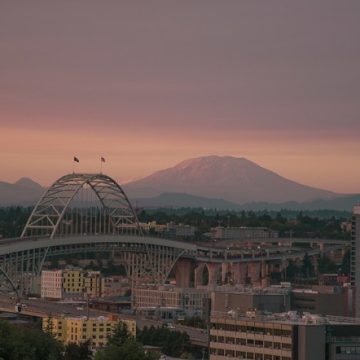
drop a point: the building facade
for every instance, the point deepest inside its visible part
(283, 337)
(270, 299)
(188, 299)
(71, 282)
(52, 284)
(80, 329)
(243, 233)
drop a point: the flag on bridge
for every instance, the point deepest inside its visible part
(76, 159)
(102, 159)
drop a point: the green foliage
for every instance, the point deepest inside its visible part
(308, 224)
(327, 266)
(78, 352)
(307, 266)
(13, 220)
(27, 344)
(172, 343)
(122, 345)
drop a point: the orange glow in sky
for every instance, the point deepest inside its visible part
(147, 84)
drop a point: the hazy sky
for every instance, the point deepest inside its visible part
(147, 84)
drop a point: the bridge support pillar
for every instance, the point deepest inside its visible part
(213, 272)
(254, 270)
(182, 272)
(198, 275)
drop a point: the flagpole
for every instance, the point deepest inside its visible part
(101, 165)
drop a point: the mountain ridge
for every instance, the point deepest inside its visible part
(209, 182)
(233, 179)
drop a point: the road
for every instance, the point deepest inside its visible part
(42, 308)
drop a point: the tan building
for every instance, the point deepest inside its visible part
(73, 281)
(80, 329)
(283, 337)
(56, 284)
(92, 283)
(189, 299)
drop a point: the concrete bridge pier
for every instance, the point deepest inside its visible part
(254, 272)
(183, 270)
(213, 270)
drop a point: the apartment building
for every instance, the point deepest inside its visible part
(52, 284)
(80, 329)
(56, 284)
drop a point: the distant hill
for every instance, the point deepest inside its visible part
(343, 203)
(237, 180)
(23, 192)
(174, 200)
(208, 182)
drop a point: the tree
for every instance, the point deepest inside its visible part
(173, 343)
(327, 266)
(21, 343)
(78, 352)
(307, 267)
(122, 345)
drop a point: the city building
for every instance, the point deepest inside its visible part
(70, 282)
(242, 299)
(324, 300)
(179, 230)
(80, 329)
(285, 336)
(116, 285)
(355, 259)
(189, 300)
(73, 280)
(242, 233)
(92, 282)
(52, 284)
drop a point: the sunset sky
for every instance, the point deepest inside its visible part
(147, 84)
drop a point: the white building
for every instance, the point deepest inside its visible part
(51, 284)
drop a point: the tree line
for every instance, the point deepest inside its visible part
(321, 223)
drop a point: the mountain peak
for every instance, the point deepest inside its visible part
(28, 183)
(233, 179)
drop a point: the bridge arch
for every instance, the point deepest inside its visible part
(50, 209)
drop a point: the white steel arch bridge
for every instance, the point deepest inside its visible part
(82, 213)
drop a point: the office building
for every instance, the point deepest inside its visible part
(285, 336)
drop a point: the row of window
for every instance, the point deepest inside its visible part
(246, 355)
(348, 350)
(251, 329)
(250, 342)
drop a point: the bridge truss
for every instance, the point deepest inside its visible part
(82, 203)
